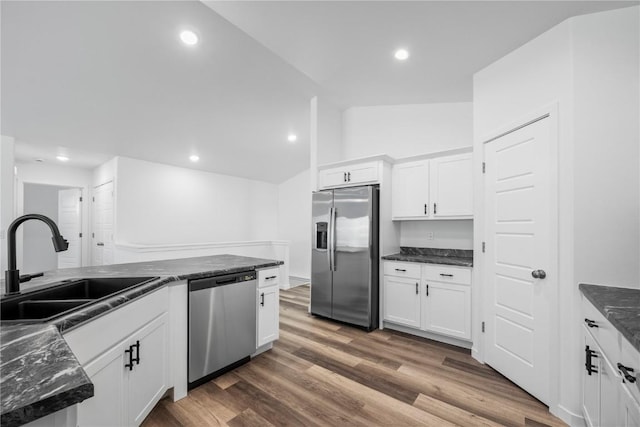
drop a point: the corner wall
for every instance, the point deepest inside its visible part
(294, 223)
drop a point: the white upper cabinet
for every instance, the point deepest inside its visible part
(350, 175)
(410, 190)
(452, 186)
(436, 188)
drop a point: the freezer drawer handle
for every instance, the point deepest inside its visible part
(446, 275)
(627, 373)
(400, 269)
(262, 299)
(270, 277)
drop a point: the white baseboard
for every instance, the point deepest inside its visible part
(436, 337)
(571, 418)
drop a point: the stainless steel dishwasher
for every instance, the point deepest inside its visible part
(222, 324)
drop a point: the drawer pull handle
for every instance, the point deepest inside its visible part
(270, 277)
(446, 275)
(627, 372)
(591, 323)
(589, 354)
(400, 269)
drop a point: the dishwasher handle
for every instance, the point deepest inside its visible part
(222, 280)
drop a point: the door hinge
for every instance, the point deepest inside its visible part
(484, 246)
(484, 167)
(80, 198)
(80, 235)
(483, 327)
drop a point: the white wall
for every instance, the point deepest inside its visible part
(446, 234)
(326, 136)
(294, 222)
(61, 176)
(7, 190)
(37, 249)
(406, 130)
(161, 204)
(606, 58)
(597, 137)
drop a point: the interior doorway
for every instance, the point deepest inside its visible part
(63, 206)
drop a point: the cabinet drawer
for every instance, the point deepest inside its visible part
(602, 330)
(268, 277)
(402, 269)
(447, 274)
(95, 337)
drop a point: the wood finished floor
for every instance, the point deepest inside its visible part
(321, 373)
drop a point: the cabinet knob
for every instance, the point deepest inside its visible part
(539, 274)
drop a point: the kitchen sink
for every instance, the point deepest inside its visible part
(62, 298)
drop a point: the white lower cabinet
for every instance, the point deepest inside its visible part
(402, 301)
(268, 315)
(126, 355)
(447, 309)
(607, 398)
(441, 306)
(129, 378)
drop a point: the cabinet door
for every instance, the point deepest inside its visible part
(410, 190)
(402, 301)
(268, 315)
(364, 173)
(447, 309)
(452, 186)
(108, 375)
(590, 382)
(629, 409)
(332, 177)
(148, 379)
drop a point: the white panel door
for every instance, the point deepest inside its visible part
(518, 245)
(402, 301)
(410, 190)
(452, 186)
(102, 235)
(70, 225)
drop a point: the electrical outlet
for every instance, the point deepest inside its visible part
(430, 235)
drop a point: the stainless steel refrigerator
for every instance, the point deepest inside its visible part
(344, 255)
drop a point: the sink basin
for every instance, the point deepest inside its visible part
(62, 298)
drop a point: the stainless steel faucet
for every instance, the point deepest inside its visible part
(12, 275)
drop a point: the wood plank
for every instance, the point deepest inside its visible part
(248, 418)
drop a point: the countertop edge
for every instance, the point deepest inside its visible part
(633, 339)
(442, 260)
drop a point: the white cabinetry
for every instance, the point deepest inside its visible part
(428, 297)
(268, 306)
(410, 190)
(125, 354)
(436, 188)
(608, 399)
(350, 175)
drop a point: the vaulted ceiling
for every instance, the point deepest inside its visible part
(113, 78)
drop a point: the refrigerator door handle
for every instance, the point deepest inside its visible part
(332, 236)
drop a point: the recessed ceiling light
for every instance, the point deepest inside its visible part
(401, 54)
(194, 158)
(292, 137)
(62, 158)
(189, 37)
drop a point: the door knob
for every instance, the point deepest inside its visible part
(539, 274)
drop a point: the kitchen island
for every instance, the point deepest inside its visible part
(33, 357)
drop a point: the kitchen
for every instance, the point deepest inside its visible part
(259, 195)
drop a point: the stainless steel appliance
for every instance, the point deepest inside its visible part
(344, 256)
(222, 324)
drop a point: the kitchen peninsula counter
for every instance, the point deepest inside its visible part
(39, 373)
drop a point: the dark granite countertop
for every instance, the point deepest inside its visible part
(620, 306)
(40, 374)
(458, 257)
